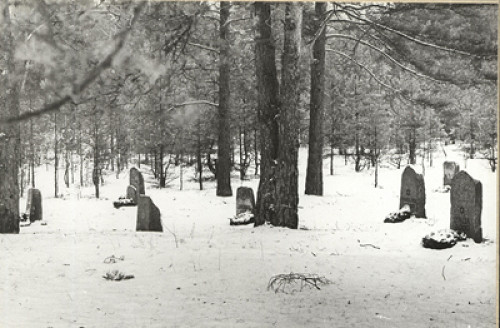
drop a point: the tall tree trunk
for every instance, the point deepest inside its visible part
(56, 158)
(287, 198)
(256, 151)
(32, 156)
(314, 174)
(240, 143)
(198, 155)
(357, 159)
(160, 167)
(413, 145)
(331, 158)
(10, 137)
(267, 112)
(224, 139)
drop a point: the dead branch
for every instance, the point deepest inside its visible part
(279, 282)
(369, 245)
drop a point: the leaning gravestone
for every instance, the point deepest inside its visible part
(466, 199)
(137, 180)
(132, 194)
(245, 200)
(148, 215)
(413, 192)
(450, 169)
(34, 205)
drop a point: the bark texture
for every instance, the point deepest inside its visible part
(287, 197)
(267, 112)
(9, 133)
(314, 174)
(223, 167)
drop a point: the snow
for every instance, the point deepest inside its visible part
(202, 272)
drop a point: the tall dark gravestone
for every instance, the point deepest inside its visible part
(245, 200)
(34, 205)
(148, 215)
(466, 199)
(132, 194)
(450, 169)
(137, 181)
(413, 192)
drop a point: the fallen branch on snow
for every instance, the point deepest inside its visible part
(280, 281)
(370, 245)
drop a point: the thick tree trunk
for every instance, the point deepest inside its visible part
(224, 138)
(268, 110)
(10, 137)
(287, 197)
(314, 174)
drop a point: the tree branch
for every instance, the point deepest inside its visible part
(91, 77)
(408, 37)
(385, 85)
(344, 36)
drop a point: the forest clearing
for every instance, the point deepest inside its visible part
(248, 164)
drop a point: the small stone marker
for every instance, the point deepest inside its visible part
(34, 205)
(413, 192)
(148, 215)
(466, 205)
(245, 200)
(137, 180)
(450, 169)
(132, 194)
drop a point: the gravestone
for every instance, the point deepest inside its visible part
(413, 192)
(466, 199)
(245, 200)
(137, 180)
(450, 169)
(132, 194)
(148, 215)
(34, 205)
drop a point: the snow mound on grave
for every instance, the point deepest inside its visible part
(441, 239)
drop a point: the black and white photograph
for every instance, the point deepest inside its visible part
(248, 164)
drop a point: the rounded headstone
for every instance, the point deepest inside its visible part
(245, 200)
(34, 205)
(450, 169)
(137, 180)
(132, 194)
(413, 192)
(466, 198)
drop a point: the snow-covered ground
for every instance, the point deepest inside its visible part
(202, 272)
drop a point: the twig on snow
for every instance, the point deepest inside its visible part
(280, 281)
(371, 245)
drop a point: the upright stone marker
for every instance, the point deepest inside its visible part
(132, 194)
(137, 181)
(413, 192)
(245, 200)
(450, 169)
(466, 205)
(34, 205)
(148, 215)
